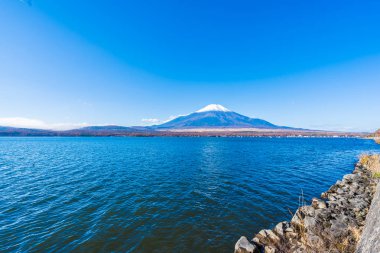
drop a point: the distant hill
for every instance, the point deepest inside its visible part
(13, 131)
(217, 116)
(111, 130)
(85, 131)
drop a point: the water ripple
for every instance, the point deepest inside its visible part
(158, 194)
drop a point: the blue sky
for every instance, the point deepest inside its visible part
(297, 63)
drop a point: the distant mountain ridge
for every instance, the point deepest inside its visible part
(208, 118)
(217, 116)
(14, 131)
(211, 120)
(110, 130)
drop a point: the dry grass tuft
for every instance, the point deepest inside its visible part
(355, 232)
(349, 242)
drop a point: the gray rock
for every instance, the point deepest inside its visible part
(314, 241)
(273, 237)
(291, 235)
(309, 222)
(279, 229)
(351, 177)
(269, 249)
(256, 240)
(289, 230)
(297, 219)
(318, 203)
(308, 211)
(267, 236)
(244, 246)
(338, 227)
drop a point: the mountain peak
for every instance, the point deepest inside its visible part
(214, 107)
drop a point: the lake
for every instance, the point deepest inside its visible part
(158, 194)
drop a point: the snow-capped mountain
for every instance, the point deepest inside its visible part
(214, 107)
(216, 116)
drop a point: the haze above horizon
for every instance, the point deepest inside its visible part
(67, 64)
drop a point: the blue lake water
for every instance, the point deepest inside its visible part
(158, 194)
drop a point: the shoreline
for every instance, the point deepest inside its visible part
(360, 136)
(332, 223)
(200, 132)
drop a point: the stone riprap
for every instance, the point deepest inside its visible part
(333, 223)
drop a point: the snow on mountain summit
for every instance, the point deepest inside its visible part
(214, 107)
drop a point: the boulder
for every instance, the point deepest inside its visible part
(244, 246)
(269, 249)
(314, 241)
(309, 222)
(282, 228)
(308, 211)
(279, 229)
(266, 237)
(297, 219)
(351, 177)
(338, 227)
(318, 203)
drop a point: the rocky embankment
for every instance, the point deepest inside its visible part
(333, 223)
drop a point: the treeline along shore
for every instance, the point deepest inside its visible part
(346, 218)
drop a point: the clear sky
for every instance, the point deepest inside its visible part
(311, 64)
